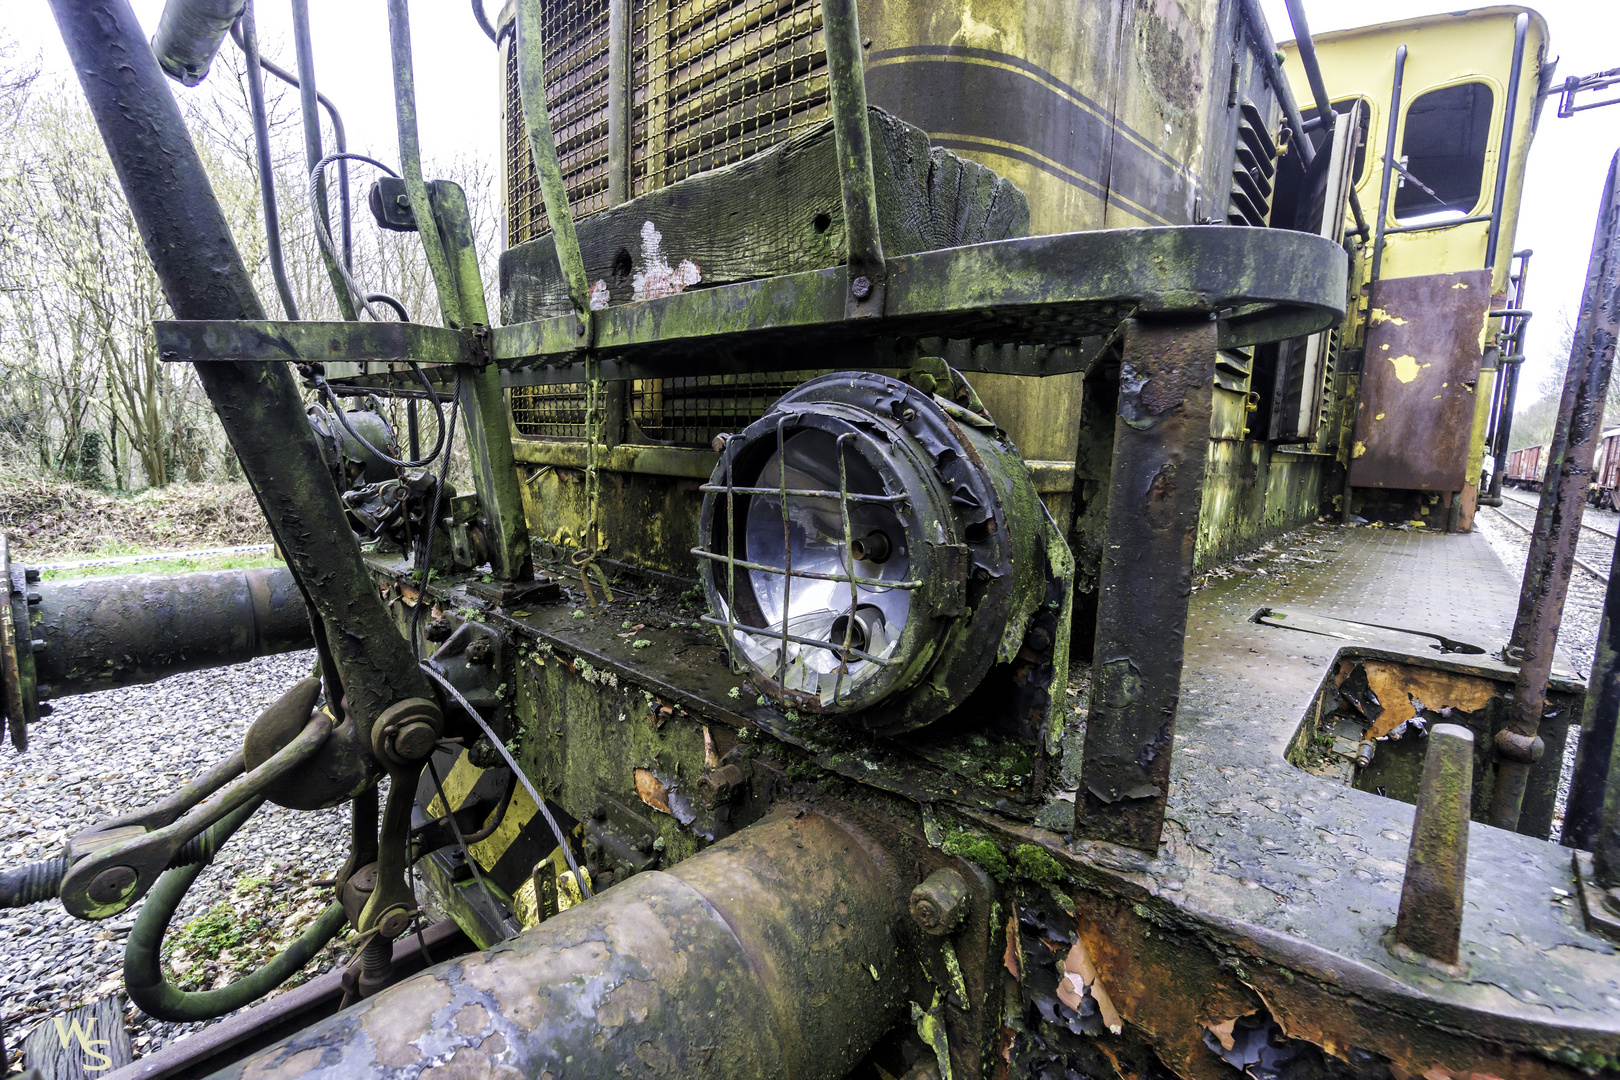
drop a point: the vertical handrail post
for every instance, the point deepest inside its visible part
(543, 147)
(1388, 175)
(1558, 520)
(1504, 144)
(846, 79)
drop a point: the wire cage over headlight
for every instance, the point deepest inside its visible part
(871, 550)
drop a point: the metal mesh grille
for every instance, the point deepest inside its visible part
(718, 80)
(549, 412)
(715, 81)
(693, 411)
(576, 49)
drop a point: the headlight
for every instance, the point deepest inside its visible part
(873, 551)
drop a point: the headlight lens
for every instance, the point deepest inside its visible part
(856, 554)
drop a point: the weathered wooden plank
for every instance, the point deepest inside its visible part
(86, 1042)
(778, 212)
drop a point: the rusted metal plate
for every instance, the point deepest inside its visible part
(1417, 383)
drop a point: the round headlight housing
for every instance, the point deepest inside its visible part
(858, 556)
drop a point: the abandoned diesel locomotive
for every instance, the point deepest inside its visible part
(856, 370)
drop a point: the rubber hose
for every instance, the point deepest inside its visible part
(143, 955)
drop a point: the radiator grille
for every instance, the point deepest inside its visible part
(549, 412)
(576, 45)
(714, 81)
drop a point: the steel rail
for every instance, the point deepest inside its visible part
(1532, 506)
(1531, 530)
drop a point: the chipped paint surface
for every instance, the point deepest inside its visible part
(1406, 367)
(1379, 315)
(657, 277)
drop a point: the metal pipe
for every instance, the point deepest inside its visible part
(1510, 386)
(771, 954)
(267, 173)
(203, 277)
(1313, 74)
(105, 632)
(338, 138)
(846, 82)
(1388, 173)
(1266, 47)
(1504, 148)
(1563, 499)
(309, 101)
(189, 35)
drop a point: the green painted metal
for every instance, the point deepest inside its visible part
(1260, 284)
(410, 153)
(543, 147)
(846, 79)
(489, 432)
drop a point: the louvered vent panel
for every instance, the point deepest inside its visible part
(1253, 168)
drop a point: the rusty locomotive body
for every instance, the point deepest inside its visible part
(816, 683)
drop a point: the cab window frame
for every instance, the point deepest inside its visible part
(1421, 214)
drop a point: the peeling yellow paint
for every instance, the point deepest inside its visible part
(1385, 347)
(1379, 315)
(1380, 416)
(1359, 449)
(1460, 285)
(1406, 367)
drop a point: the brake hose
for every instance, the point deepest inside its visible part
(143, 954)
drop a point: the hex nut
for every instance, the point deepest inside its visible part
(721, 785)
(940, 903)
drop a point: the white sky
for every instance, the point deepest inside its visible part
(457, 86)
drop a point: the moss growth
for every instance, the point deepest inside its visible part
(977, 848)
(1035, 864)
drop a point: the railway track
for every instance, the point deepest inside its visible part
(1591, 552)
(1533, 505)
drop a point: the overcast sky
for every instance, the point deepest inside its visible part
(457, 97)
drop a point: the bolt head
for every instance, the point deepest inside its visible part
(940, 903)
(394, 923)
(861, 288)
(415, 740)
(112, 884)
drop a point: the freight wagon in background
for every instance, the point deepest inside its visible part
(1526, 465)
(814, 682)
(1527, 468)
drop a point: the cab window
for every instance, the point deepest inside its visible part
(1443, 153)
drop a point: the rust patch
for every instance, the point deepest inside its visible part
(470, 1064)
(630, 1001)
(1167, 389)
(516, 1000)
(1080, 976)
(395, 1022)
(471, 1018)
(652, 790)
(300, 1064)
(1402, 688)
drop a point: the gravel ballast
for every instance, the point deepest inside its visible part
(104, 754)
